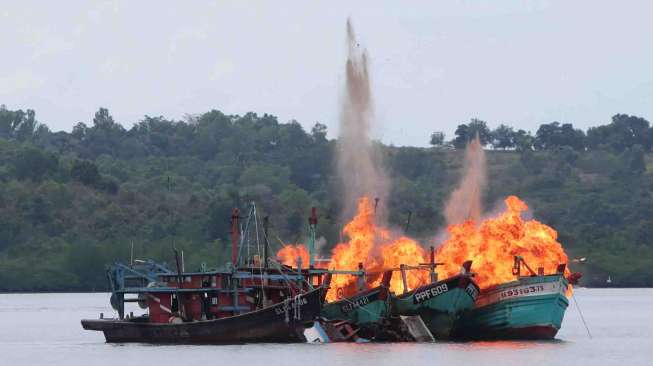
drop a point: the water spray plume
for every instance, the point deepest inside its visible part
(465, 202)
(358, 161)
(491, 244)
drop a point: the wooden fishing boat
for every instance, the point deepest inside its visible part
(281, 322)
(440, 303)
(531, 307)
(367, 309)
(249, 301)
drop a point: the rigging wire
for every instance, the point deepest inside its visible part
(581, 315)
(258, 249)
(310, 285)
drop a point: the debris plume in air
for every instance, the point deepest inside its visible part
(465, 202)
(358, 160)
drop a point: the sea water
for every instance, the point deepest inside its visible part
(44, 329)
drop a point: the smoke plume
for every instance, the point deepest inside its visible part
(358, 162)
(465, 202)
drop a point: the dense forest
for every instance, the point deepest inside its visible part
(72, 202)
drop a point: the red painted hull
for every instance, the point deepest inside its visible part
(534, 332)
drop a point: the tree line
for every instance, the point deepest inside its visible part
(623, 132)
(71, 202)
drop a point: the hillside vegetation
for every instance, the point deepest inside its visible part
(72, 202)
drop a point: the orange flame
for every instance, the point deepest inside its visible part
(409, 252)
(377, 249)
(493, 245)
(361, 231)
(289, 253)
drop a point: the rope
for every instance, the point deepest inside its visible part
(286, 307)
(258, 249)
(345, 299)
(581, 316)
(281, 270)
(297, 312)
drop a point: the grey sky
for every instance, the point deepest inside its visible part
(434, 64)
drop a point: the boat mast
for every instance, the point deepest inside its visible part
(410, 214)
(312, 225)
(266, 224)
(180, 284)
(234, 237)
(434, 275)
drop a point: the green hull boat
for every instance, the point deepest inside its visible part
(439, 304)
(368, 309)
(528, 308)
(365, 309)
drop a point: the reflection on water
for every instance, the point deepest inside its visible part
(511, 344)
(44, 329)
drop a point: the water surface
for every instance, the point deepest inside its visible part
(44, 329)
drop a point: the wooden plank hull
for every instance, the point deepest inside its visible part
(368, 310)
(369, 306)
(529, 308)
(279, 323)
(439, 304)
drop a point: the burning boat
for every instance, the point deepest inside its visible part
(368, 309)
(511, 305)
(365, 309)
(531, 307)
(252, 302)
(364, 291)
(439, 304)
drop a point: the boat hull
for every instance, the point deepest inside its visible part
(367, 310)
(279, 323)
(365, 307)
(439, 304)
(530, 308)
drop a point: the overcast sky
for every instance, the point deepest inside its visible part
(435, 64)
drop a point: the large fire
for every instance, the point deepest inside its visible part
(375, 247)
(491, 246)
(289, 254)
(494, 243)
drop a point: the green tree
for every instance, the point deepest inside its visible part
(622, 133)
(503, 137)
(467, 132)
(103, 119)
(85, 172)
(633, 159)
(319, 132)
(523, 140)
(437, 139)
(554, 135)
(32, 163)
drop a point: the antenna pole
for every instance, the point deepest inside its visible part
(234, 237)
(312, 224)
(434, 276)
(266, 224)
(180, 285)
(410, 214)
(402, 268)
